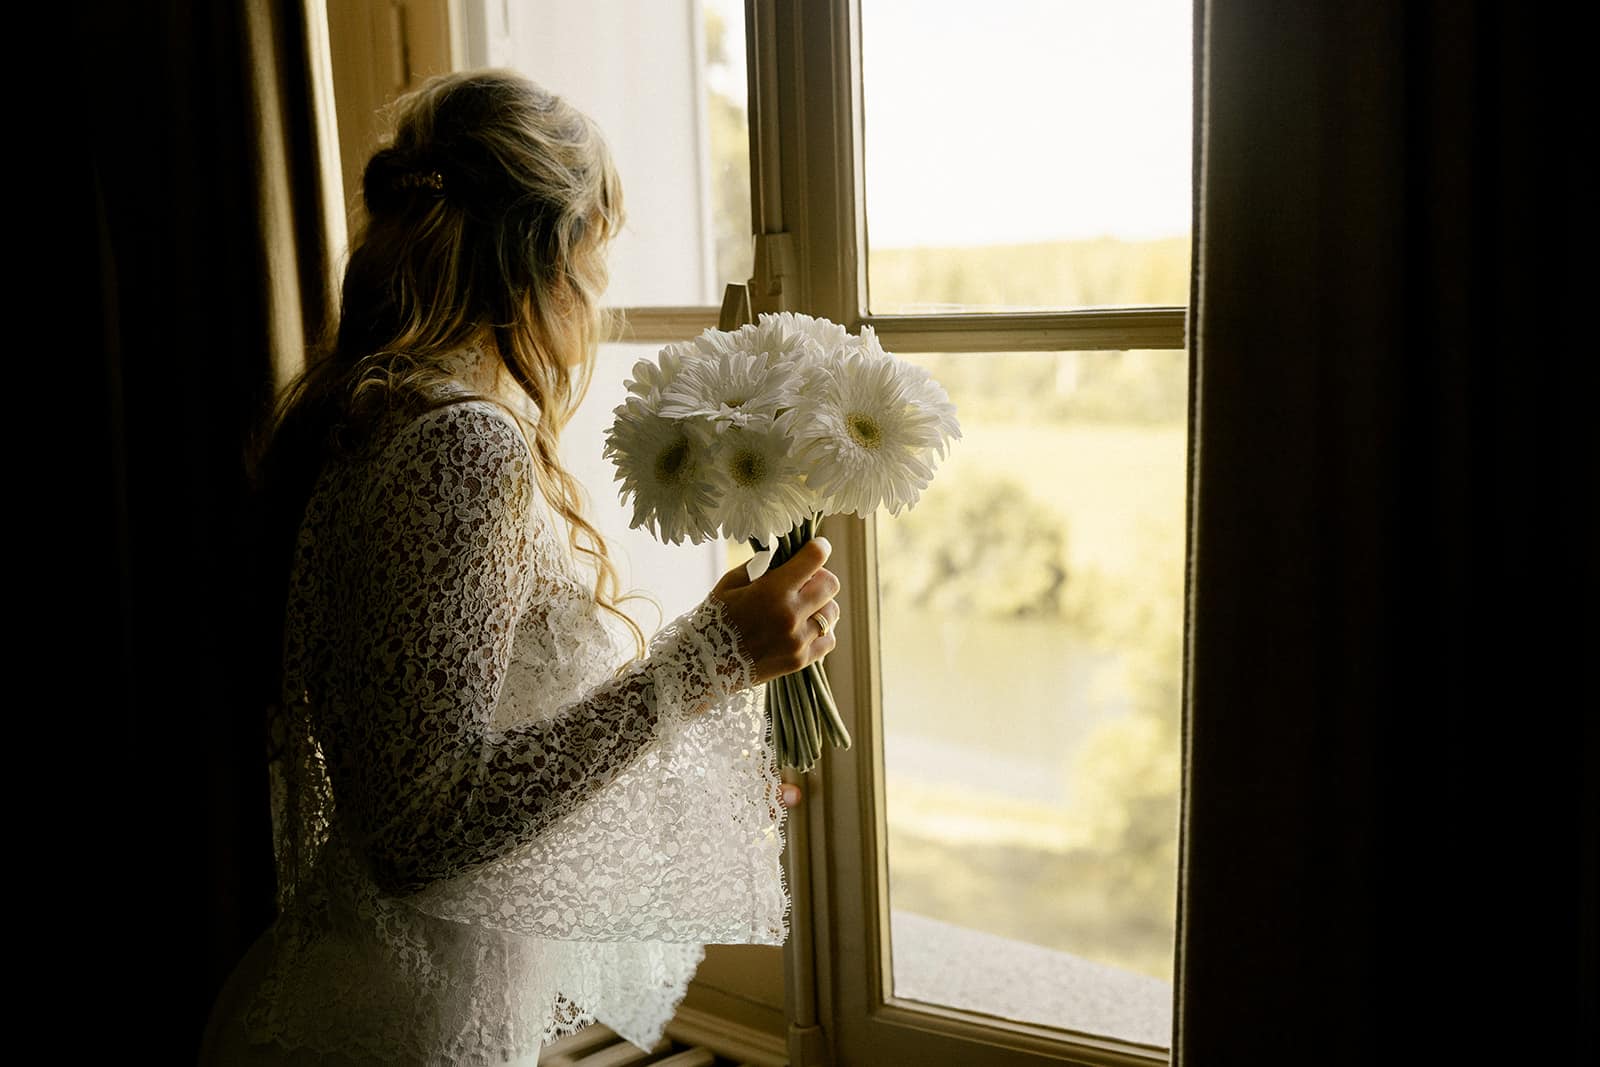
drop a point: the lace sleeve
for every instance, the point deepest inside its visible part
(430, 787)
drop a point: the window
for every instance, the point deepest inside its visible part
(1001, 191)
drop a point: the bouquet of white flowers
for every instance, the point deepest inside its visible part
(755, 435)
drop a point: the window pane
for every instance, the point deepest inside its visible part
(666, 83)
(1032, 614)
(1026, 153)
(728, 135)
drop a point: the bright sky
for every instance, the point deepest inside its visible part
(1007, 121)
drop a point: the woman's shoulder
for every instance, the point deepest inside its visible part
(470, 430)
(464, 453)
(462, 397)
(464, 418)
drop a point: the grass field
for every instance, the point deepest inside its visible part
(1105, 272)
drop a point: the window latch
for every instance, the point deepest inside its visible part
(774, 285)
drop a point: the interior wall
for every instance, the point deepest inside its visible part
(382, 48)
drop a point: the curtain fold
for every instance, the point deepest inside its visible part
(209, 268)
(1389, 839)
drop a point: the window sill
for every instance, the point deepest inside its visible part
(940, 963)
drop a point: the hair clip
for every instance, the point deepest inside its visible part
(431, 180)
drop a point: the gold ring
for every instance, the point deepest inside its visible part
(822, 620)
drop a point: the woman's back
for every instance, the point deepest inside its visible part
(480, 823)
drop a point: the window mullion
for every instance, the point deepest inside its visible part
(1113, 329)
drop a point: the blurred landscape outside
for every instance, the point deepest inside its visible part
(1031, 629)
(1032, 603)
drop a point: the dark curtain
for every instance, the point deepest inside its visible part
(199, 232)
(1390, 833)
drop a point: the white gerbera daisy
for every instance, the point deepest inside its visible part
(761, 489)
(828, 336)
(661, 466)
(867, 430)
(735, 379)
(770, 337)
(651, 379)
(928, 394)
(921, 386)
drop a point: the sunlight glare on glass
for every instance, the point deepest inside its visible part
(1060, 130)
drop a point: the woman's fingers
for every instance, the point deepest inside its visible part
(780, 615)
(818, 590)
(798, 569)
(822, 641)
(829, 611)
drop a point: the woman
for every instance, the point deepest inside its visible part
(487, 833)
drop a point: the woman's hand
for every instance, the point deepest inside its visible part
(775, 614)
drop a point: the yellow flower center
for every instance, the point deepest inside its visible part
(864, 429)
(672, 462)
(748, 468)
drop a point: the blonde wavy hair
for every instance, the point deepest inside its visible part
(485, 223)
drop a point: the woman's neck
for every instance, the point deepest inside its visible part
(479, 368)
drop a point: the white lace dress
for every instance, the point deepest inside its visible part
(487, 836)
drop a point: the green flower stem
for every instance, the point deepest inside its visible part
(820, 724)
(808, 720)
(797, 722)
(812, 726)
(822, 699)
(780, 709)
(841, 735)
(785, 720)
(774, 727)
(806, 747)
(801, 710)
